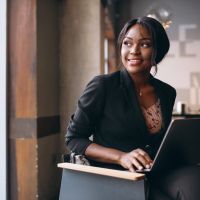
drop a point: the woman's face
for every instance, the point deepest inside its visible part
(136, 50)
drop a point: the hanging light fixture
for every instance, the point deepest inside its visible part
(162, 13)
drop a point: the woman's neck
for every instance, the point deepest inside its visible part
(142, 84)
(140, 80)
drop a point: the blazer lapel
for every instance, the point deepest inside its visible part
(163, 103)
(134, 112)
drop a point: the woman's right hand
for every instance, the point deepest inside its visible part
(135, 160)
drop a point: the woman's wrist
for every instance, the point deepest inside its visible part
(118, 156)
(103, 154)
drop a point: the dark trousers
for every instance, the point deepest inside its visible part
(178, 184)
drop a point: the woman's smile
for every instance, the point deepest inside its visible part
(134, 61)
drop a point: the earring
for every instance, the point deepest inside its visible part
(155, 69)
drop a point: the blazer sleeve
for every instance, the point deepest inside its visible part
(83, 122)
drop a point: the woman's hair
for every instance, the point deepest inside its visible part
(159, 37)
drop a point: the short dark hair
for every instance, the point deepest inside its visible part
(159, 36)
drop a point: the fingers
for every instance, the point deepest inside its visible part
(142, 157)
(143, 153)
(136, 159)
(131, 168)
(136, 164)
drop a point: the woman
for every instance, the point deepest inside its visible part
(128, 111)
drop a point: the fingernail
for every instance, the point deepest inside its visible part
(140, 167)
(147, 166)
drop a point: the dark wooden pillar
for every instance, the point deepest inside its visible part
(28, 96)
(22, 99)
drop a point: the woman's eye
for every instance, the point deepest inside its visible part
(127, 43)
(146, 45)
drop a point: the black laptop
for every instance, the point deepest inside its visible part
(180, 146)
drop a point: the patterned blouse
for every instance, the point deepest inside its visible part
(153, 117)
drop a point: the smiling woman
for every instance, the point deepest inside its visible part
(138, 45)
(127, 111)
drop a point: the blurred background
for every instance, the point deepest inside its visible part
(49, 50)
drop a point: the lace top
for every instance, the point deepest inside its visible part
(153, 117)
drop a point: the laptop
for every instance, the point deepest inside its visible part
(180, 146)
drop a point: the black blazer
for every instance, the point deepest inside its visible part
(109, 110)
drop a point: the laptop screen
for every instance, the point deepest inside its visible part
(180, 145)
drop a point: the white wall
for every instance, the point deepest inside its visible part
(3, 99)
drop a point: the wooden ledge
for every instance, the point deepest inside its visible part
(103, 171)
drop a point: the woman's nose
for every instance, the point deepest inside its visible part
(134, 50)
